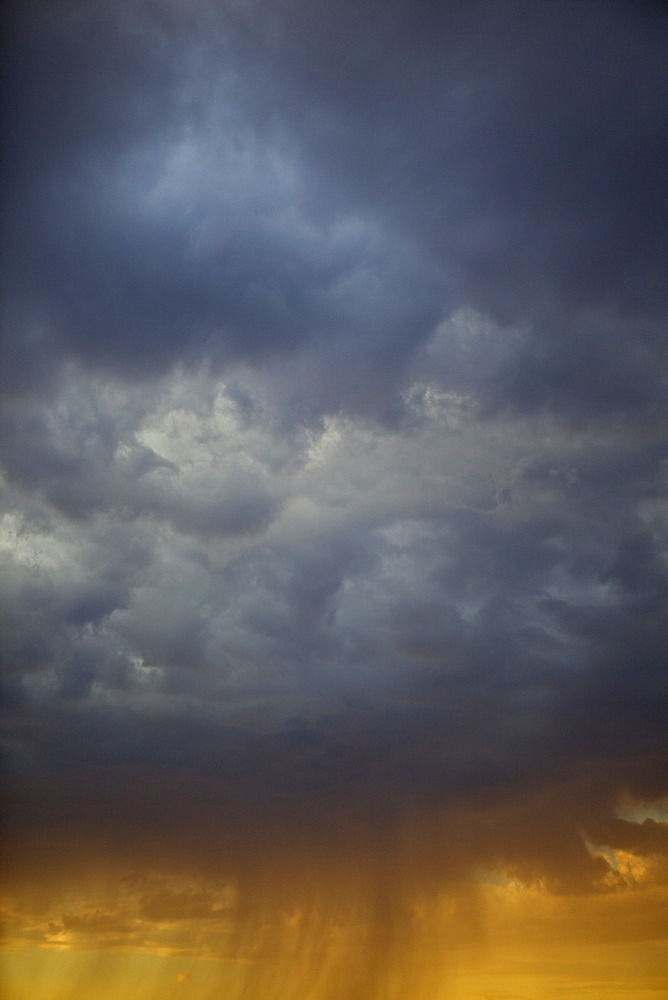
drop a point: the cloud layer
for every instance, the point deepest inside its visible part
(334, 455)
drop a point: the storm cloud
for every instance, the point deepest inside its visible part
(334, 458)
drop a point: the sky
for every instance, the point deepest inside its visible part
(334, 508)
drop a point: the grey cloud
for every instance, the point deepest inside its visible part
(506, 155)
(335, 447)
(77, 450)
(182, 236)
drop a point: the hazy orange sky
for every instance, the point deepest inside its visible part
(333, 506)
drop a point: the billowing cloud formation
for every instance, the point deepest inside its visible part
(334, 480)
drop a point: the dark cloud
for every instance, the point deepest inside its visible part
(212, 185)
(154, 223)
(334, 451)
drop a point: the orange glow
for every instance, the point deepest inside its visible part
(351, 929)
